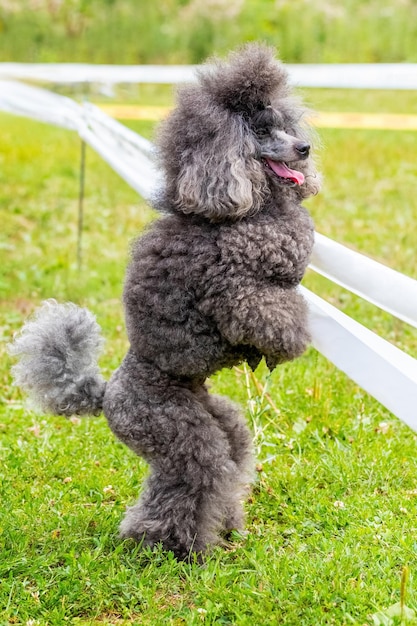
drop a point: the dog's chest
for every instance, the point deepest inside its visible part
(267, 239)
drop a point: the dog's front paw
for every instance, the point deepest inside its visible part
(272, 362)
(253, 358)
(293, 344)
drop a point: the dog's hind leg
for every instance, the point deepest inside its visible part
(233, 424)
(186, 498)
(193, 476)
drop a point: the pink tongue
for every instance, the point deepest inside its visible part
(284, 171)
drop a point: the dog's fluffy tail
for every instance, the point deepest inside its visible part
(58, 350)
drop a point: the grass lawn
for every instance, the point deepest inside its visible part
(332, 522)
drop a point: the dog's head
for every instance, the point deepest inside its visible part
(236, 138)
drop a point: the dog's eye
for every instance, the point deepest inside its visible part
(262, 132)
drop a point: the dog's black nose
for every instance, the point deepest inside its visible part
(303, 149)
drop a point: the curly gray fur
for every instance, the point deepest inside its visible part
(211, 284)
(58, 351)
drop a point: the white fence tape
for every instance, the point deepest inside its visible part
(39, 104)
(103, 121)
(389, 290)
(345, 75)
(126, 152)
(382, 370)
(61, 73)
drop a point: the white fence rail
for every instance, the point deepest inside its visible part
(345, 75)
(381, 369)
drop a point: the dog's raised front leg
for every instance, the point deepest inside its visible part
(272, 319)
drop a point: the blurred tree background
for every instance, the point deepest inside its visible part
(187, 31)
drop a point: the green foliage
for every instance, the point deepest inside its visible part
(187, 31)
(332, 518)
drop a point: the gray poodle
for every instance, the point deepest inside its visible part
(211, 284)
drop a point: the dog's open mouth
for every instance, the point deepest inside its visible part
(287, 175)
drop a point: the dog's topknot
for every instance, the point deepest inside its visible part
(248, 81)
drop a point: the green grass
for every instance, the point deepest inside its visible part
(332, 519)
(186, 31)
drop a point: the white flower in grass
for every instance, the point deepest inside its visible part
(35, 430)
(338, 504)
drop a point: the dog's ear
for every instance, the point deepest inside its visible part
(220, 177)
